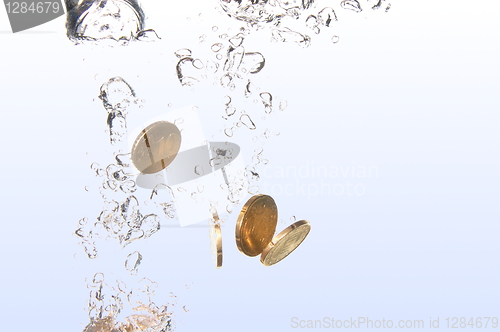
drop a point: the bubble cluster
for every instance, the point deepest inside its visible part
(125, 219)
(292, 20)
(119, 21)
(108, 302)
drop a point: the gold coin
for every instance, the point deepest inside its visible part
(156, 147)
(256, 224)
(285, 242)
(216, 241)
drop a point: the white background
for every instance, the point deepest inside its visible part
(413, 92)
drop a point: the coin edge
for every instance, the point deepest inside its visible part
(280, 236)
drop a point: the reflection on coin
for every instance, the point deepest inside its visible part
(216, 240)
(156, 147)
(256, 224)
(285, 242)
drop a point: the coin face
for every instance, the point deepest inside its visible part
(156, 147)
(285, 242)
(256, 224)
(216, 241)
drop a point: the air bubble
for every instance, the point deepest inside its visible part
(230, 111)
(133, 261)
(254, 190)
(237, 40)
(247, 121)
(183, 53)
(198, 170)
(217, 47)
(351, 5)
(283, 105)
(228, 132)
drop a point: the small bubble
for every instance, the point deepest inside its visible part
(185, 309)
(228, 132)
(215, 161)
(202, 38)
(267, 100)
(183, 53)
(237, 40)
(214, 28)
(217, 47)
(169, 104)
(247, 121)
(326, 16)
(312, 22)
(198, 170)
(133, 261)
(335, 39)
(197, 64)
(253, 190)
(79, 233)
(178, 121)
(283, 105)
(195, 108)
(98, 278)
(86, 188)
(351, 5)
(218, 56)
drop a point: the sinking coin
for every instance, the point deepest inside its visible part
(256, 224)
(285, 242)
(216, 240)
(156, 147)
